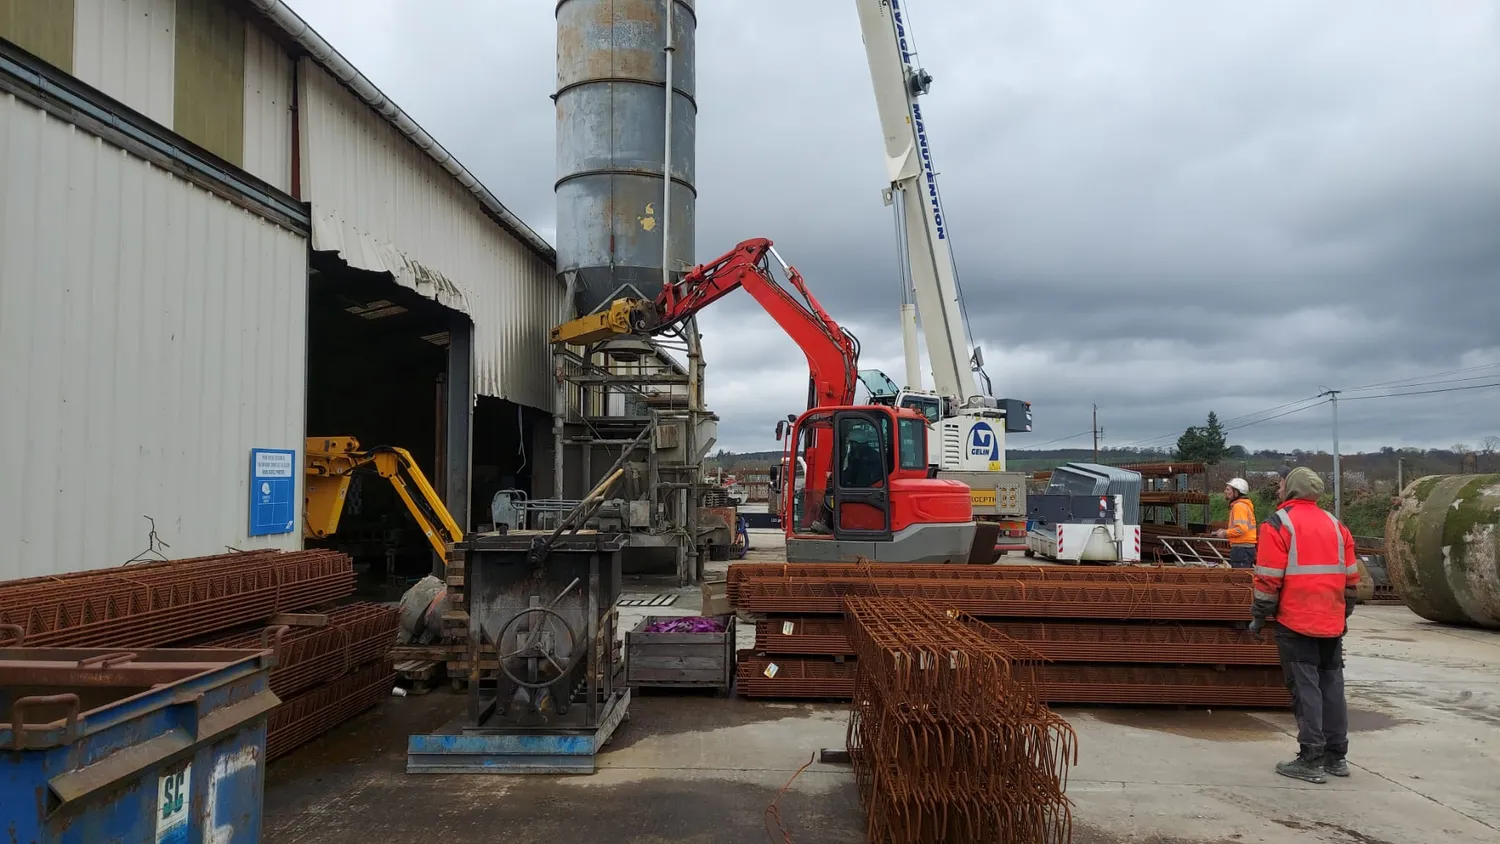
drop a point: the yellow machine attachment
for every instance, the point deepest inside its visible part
(600, 325)
(331, 464)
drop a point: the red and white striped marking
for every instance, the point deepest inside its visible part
(1059, 540)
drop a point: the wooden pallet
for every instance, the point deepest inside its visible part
(456, 625)
(420, 675)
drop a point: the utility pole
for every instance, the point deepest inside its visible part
(1338, 490)
(1097, 432)
(1400, 472)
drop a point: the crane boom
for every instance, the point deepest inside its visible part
(914, 185)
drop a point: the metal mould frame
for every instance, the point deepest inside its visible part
(488, 738)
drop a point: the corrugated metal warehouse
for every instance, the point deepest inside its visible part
(217, 236)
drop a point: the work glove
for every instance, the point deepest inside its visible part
(1349, 602)
(1256, 625)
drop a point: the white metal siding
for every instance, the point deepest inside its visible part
(268, 110)
(126, 49)
(384, 205)
(151, 334)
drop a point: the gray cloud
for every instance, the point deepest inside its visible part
(1161, 207)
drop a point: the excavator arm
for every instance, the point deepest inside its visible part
(331, 464)
(832, 352)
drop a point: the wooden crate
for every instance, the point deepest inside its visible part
(703, 660)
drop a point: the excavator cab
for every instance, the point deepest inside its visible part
(859, 489)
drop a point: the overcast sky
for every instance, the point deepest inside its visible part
(1159, 206)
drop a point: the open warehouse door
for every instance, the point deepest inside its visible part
(382, 371)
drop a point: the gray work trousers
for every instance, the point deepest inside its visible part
(1313, 668)
(1242, 556)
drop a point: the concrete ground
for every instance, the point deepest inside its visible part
(688, 769)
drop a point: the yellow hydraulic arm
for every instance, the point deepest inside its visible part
(601, 325)
(331, 464)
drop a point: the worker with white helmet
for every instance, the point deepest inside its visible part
(1241, 531)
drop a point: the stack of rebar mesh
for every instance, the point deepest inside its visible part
(329, 668)
(949, 738)
(332, 662)
(1108, 634)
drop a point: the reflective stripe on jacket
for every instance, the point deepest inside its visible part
(1241, 522)
(1304, 561)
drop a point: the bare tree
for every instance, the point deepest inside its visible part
(1491, 445)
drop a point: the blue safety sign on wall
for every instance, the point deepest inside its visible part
(273, 491)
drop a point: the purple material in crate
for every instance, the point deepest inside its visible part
(687, 624)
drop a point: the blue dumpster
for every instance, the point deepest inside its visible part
(155, 745)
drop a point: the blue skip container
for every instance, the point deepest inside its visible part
(156, 745)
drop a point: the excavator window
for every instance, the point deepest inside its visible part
(913, 444)
(860, 465)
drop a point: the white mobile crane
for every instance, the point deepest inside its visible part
(967, 427)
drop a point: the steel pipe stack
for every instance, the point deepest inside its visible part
(1107, 634)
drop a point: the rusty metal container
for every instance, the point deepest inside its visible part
(612, 72)
(1443, 549)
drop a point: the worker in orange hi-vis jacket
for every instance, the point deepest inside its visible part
(1241, 530)
(1305, 574)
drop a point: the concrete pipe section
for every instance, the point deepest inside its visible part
(1443, 548)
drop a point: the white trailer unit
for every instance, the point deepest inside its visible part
(1087, 542)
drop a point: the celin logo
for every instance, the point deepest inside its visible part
(983, 442)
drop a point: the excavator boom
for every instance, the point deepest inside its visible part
(331, 464)
(832, 353)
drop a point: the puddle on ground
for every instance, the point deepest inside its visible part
(1223, 725)
(1370, 720)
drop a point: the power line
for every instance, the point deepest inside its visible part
(1241, 418)
(1424, 392)
(1033, 447)
(1277, 416)
(1399, 381)
(1443, 381)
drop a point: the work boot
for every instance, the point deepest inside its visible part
(1335, 765)
(1307, 767)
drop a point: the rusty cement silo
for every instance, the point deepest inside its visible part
(616, 226)
(1443, 549)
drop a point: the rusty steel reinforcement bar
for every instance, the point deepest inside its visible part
(741, 572)
(1103, 574)
(797, 635)
(1007, 599)
(1149, 642)
(823, 678)
(948, 737)
(154, 604)
(308, 715)
(355, 635)
(793, 677)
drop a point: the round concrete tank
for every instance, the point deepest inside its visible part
(611, 144)
(1443, 549)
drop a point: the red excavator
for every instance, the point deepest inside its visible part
(857, 483)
